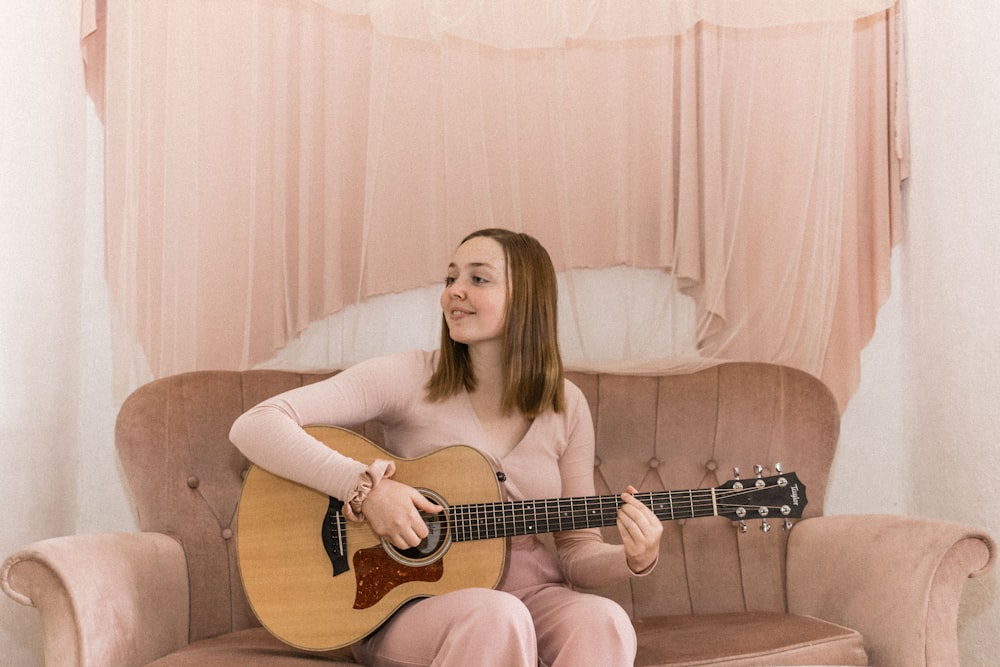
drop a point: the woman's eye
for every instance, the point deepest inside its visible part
(449, 281)
(479, 280)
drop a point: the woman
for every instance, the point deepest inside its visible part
(495, 384)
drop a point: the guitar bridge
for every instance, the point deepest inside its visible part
(334, 534)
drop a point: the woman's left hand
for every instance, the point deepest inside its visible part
(640, 530)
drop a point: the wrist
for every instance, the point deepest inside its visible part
(367, 480)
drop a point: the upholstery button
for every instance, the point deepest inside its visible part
(193, 482)
(597, 461)
(227, 533)
(654, 462)
(711, 465)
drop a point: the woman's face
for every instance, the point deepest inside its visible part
(474, 300)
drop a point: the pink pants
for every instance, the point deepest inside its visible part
(548, 625)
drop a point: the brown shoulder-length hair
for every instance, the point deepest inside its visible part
(533, 370)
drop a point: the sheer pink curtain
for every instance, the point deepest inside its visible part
(270, 163)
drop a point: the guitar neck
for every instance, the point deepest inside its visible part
(530, 517)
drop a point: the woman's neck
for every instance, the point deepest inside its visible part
(505, 429)
(487, 364)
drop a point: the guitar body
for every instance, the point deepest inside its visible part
(287, 532)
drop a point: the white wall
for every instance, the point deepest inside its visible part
(42, 153)
(952, 298)
(59, 473)
(919, 437)
(922, 435)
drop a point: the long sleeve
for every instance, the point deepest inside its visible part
(271, 436)
(271, 433)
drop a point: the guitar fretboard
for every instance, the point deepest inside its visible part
(528, 517)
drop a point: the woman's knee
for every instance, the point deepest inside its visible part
(589, 627)
(445, 631)
(618, 632)
(494, 612)
(495, 626)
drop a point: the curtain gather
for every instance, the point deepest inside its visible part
(271, 163)
(516, 24)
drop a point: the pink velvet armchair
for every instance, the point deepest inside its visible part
(844, 590)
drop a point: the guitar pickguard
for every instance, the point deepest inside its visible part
(378, 573)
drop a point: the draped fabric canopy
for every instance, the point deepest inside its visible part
(270, 162)
(517, 24)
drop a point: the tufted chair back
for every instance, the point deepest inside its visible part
(690, 431)
(658, 433)
(181, 424)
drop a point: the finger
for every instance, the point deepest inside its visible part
(629, 529)
(628, 496)
(636, 511)
(641, 530)
(425, 504)
(407, 538)
(631, 520)
(643, 511)
(399, 541)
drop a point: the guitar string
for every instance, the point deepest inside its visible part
(609, 502)
(520, 517)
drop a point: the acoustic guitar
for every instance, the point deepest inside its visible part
(319, 582)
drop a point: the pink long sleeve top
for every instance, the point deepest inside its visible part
(554, 459)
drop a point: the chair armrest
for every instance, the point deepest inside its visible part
(895, 579)
(104, 599)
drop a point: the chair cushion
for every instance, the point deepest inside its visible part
(745, 640)
(720, 640)
(250, 648)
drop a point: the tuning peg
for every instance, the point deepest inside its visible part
(737, 484)
(736, 472)
(765, 527)
(759, 470)
(743, 527)
(788, 524)
(777, 468)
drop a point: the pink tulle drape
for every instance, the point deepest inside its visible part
(270, 163)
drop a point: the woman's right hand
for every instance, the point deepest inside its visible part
(392, 509)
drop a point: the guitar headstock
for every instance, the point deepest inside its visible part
(781, 496)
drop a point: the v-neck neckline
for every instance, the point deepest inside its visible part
(486, 438)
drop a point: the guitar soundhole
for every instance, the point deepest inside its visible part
(432, 547)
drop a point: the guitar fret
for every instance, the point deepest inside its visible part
(528, 517)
